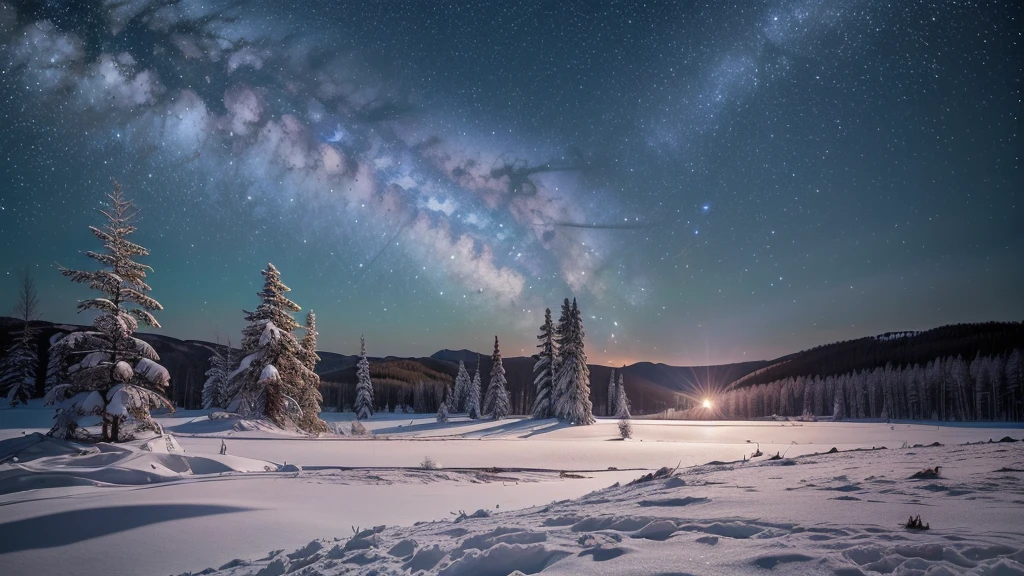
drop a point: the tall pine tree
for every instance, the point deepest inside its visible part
(1014, 372)
(309, 396)
(115, 375)
(19, 365)
(473, 401)
(561, 339)
(496, 402)
(544, 369)
(309, 341)
(217, 377)
(273, 378)
(612, 405)
(457, 399)
(364, 387)
(572, 384)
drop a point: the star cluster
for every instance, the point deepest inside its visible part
(713, 183)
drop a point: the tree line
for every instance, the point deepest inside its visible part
(944, 389)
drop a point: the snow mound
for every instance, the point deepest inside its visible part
(37, 461)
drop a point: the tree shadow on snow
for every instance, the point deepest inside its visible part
(552, 426)
(510, 428)
(428, 426)
(73, 526)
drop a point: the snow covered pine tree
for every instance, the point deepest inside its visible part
(309, 397)
(572, 385)
(364, 387)
(442, 409)
(544, 369)
(215, 387)
(612, 406)
(473, 401)
(496, 402)
(18, 366)
(622, 405)
(273, 378)
(118, 377)
(457, 399)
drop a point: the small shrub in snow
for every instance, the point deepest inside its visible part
(927, 473)
(463, 516)
(429, 464)
(358, 429)
(625, 429)
(663, 472)
(914, 523)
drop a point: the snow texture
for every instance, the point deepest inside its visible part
(516, 494)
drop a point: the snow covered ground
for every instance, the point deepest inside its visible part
(128, 510)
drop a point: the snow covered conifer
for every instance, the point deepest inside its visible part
(496, 402)
(572, 384)
(216, 378)
(562, 330)
(442, 410)
(473, 401)
(544, 369)
(117, 377)
(612, 406)
(621, 402)
(309, 341)
(457, 399)
(622, 410)
(18, 366)
(364, 387)
(273, 378)
(1014, 379)
(309, 396)
(56, 363)
(839, 402)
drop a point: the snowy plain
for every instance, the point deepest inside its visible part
(128, 510)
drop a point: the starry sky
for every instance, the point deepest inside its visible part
(713, 181)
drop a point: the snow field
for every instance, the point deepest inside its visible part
(170, 511)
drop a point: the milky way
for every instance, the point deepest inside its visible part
(713, 184)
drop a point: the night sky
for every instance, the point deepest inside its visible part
(713, 181)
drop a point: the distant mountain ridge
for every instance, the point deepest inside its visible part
(651, 387)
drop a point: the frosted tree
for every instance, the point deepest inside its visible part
(364, 387)
(620, 388)
(216, 384)
(572, 384)
(442, 409)
(544, 369)
(309, 396)
(115, 375)
(309, 341)
(959, 376)
(839, 403)
(622, 413)
(56, 363)
(621, 403)
(19, 365)
(1014, 378)
(473, 400)
(562, 329)
(457, 399)
(496, 402)
(273, 379)
(611, 406)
